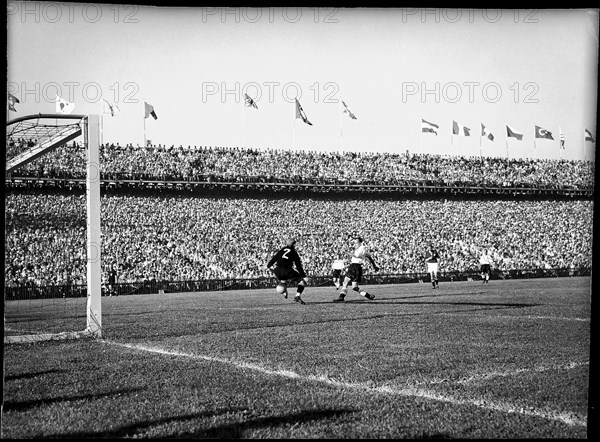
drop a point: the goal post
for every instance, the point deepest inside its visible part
(94, 270)
(39, 316)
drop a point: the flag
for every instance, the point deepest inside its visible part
(63, 106)
(250, 102)
(588, 136)
(150, 111)
(300, 113)
(426, 126)
(512, 133)
(486, 134)
(111, 109)
(457, 129)
(562, 138)
(12, 100)
(542, 133)
(348, 111)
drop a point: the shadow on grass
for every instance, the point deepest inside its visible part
(236, 430)
(232, 430)
(31, 375)
(479, 307)
(481, 304)
(26, 405)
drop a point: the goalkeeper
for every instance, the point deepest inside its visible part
(285, 259)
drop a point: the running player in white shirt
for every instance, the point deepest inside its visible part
(355, 271)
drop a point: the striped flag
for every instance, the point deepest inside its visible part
(588, 136)
(63, 106)
(486, 134)
(300, 113)
(348, 111)
(562, 138)
(149, 111)
(250, 102)
(12, 100)
(426, 126)
(513, 133)
(457, 129)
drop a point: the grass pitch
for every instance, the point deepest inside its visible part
(509, 359)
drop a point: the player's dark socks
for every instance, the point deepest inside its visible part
(341, 297)
(367, 295)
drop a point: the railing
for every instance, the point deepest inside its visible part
(124, 182)
(29, 292)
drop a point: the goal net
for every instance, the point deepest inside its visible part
(52, 286)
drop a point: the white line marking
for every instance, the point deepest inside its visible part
(497, 374)
(572, 419)
(556, 318)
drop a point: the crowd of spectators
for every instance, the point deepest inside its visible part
(176, 237)
(280, 165)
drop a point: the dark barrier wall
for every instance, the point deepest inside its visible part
(154, 287)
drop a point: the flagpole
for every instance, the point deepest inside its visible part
(341, 130)
(559, 143)
(294, 129)
(422, 147)
(144, 145)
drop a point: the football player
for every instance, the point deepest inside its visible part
(355, 271)
(285, 260)
(337, 267)
(485, 260)
(432, 258)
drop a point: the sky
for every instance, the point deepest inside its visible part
(392, 67)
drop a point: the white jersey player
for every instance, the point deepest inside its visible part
(355, 271)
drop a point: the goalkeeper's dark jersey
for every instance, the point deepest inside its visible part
(432, 256)
(286, 258)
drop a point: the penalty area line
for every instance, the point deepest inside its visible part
(567, 418)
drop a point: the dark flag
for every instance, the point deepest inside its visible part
(542, 133)
(300, 113)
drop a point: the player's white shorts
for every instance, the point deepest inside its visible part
(432, 267)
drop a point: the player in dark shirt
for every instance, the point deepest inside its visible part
(432, 258)
(112, 280)
(285, 260)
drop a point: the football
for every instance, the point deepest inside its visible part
(280, 288)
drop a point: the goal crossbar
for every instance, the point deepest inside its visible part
(47, 136)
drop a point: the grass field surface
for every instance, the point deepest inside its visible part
(508, 359)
